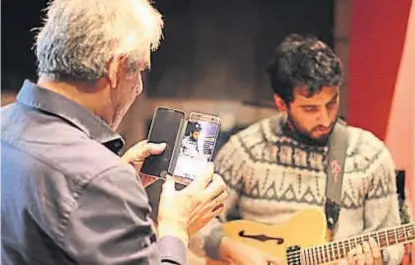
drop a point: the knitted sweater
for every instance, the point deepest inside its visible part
(271, 176)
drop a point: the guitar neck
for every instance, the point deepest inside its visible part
(338, 249)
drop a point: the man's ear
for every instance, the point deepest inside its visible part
(279, 102)
(116, 70)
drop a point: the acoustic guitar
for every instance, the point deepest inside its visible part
(302, 240)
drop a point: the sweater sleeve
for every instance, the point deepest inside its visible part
(383, 195)
(229, 164)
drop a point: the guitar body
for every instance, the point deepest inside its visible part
(307, 228)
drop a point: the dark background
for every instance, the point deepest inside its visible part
(211, 49)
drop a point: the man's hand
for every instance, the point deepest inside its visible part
(184, 212)
(138, 153)
(366, 254)
(237, 253)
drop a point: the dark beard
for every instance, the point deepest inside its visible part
(292, 129)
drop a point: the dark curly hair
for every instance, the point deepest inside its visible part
(303, 60)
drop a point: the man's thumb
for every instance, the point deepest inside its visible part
(149, 149)
(169, 185)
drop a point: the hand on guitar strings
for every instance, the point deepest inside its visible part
(237, 253)
(366, 254)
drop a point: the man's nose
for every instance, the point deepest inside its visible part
(325, 118)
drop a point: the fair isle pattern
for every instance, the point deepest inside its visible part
(288, 163)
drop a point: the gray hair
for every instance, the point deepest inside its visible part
(80, 37)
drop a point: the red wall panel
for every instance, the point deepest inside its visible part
(376, 41)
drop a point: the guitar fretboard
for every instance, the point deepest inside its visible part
(338, 249)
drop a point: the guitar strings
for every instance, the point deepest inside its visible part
(322, 252)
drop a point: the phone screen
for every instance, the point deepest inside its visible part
(197, 145)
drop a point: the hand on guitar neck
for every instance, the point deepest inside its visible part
(237, 253)
(366, 254)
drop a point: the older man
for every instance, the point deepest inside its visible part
(67, 196)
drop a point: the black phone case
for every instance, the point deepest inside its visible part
(165, 163)
(171, 133)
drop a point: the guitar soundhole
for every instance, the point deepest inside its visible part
(262, 237)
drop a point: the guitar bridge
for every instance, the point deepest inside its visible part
(293, 255)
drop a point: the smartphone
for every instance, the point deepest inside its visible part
(196, 146)
(165, 125)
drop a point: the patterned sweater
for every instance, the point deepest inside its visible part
(271, 176)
